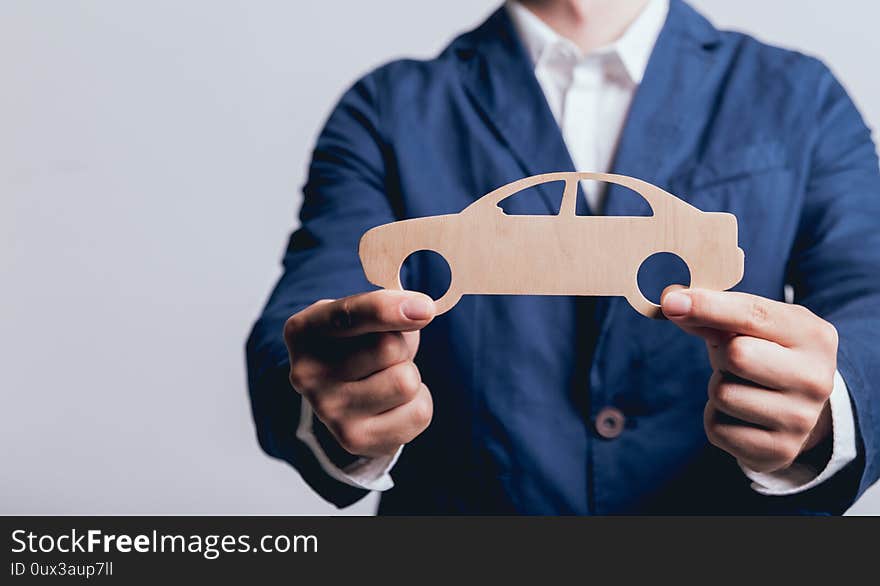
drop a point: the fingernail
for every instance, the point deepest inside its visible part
(417, 308)
(676, 304)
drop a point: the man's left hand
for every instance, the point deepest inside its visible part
(774, 366)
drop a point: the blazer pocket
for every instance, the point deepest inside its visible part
(748, 181)
(733, 165)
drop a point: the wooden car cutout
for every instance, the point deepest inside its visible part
(490, 252)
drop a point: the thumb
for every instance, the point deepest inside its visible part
(672, 304)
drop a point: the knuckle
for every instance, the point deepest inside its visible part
(802, 421)
(305, 374)
(292, 327)
(782, 450)
(296, 379)
(423, 411)
(300, 378)
(323, 405)
(738, 353)
(818, 386)
(317, 304)
(724, 395)
(407, 380)
(802, 315)
(801, 310)
(352, 438)
(390, 349)
(829, 335)
(758, 315)
(789, 452)
(713, 434)
(709, 417)
(833, 335)
(342, 315)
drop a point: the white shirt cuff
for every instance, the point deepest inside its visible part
(800, 477)
(366, 473)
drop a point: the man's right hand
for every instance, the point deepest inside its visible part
(352, 359)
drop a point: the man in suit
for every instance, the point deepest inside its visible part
(739, 402)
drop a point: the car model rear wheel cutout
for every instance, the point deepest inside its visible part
(426, 271)
(659, 271)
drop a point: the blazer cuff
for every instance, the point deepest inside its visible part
(366, 473)
(800, 476)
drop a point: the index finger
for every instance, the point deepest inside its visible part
(732, 311)
(376, 311)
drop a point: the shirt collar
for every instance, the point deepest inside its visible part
(633, 48)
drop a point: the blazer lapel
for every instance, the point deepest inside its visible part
(666, 116)
(499, 77)
(665, 107)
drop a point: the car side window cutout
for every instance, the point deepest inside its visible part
(626, 201)
(543, 199)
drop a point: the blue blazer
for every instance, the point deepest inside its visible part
(723, 121)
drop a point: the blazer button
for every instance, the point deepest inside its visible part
(609, 422)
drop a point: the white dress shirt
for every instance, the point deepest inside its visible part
(589, 96)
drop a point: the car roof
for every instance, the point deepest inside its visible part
(651, 193)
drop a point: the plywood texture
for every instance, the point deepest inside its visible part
(490, 252)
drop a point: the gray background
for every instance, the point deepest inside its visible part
(150, 159)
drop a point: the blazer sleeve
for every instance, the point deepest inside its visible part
(344, 195)
(835, 272)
